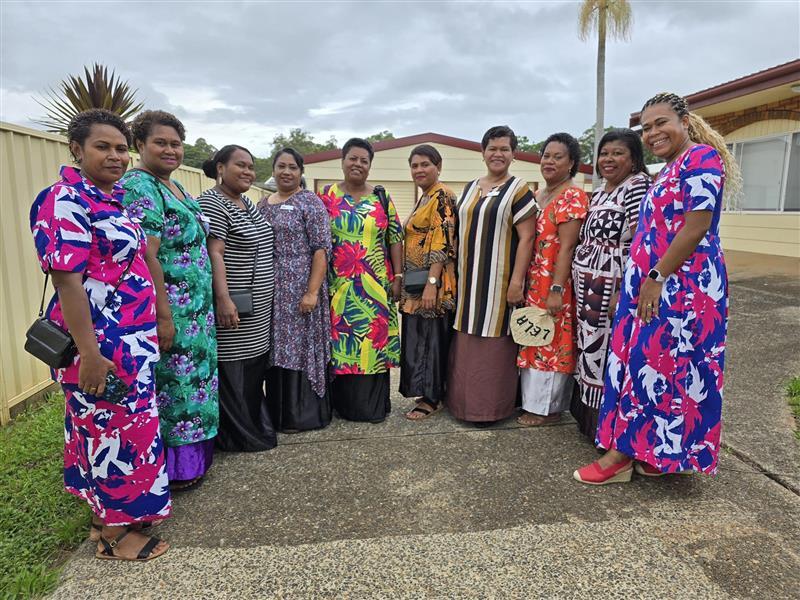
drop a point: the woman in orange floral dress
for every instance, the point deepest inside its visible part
(547, 372)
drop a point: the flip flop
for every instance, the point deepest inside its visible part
(423, 411)
(537, 420)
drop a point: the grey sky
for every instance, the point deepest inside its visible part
(240, 72)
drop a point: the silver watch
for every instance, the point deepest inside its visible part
(558, 289)
(433, 281)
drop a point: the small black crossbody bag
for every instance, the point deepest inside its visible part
(50, 343)
(243, 299)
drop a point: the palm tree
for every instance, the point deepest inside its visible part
(97, 89)
(606, 16)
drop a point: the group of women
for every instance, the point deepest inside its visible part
(229, 320)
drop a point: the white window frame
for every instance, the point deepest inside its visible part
(787, 138)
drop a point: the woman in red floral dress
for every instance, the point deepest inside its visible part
(546, 375)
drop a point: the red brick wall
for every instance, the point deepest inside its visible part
(783, 109)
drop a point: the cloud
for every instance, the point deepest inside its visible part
(243, 71)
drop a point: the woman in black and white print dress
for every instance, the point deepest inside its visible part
(241, 249)
(600, 261)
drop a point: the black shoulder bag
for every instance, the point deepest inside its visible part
(50, 343)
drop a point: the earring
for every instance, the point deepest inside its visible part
(219, 179)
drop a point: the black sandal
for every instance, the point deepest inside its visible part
(145, 554)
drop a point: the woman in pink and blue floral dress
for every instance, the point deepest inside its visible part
(94, 251)
(662, 398)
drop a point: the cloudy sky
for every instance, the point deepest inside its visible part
(240, 72)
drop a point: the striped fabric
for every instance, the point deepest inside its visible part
(487, 246)
(244, 234)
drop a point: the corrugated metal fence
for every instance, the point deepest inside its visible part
(29, 162)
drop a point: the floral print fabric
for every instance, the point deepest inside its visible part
(186, 375)
(299, 342)
(559, 355)
(364, 329)
(113, 453)
(662, 398)
(430, 238)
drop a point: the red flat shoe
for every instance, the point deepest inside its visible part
(593, 474)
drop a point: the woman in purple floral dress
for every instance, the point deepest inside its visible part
(94, 251)
(297, 386)
(662, 399)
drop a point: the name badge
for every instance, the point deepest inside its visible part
(287, 207)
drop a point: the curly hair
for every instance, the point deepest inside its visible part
(573, 148)
(701, 132)
(80, 126)
(144, 122)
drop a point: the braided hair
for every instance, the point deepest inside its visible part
(701, 132)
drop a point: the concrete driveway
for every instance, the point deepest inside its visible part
(441, 510)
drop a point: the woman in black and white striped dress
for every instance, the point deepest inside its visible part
(240, 246)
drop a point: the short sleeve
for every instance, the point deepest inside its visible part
(634, 192)
(572, 204)
(219, 222)
(701, 179)
(62, 229)
(318, 225)
(144, 203)
(395, 227)
(524, 204)
(441, 243)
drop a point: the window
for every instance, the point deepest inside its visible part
(771, 172)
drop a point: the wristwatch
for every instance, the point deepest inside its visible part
(558, 289)
(656, 276)
(434, 281)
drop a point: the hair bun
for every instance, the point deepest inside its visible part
(210, 167)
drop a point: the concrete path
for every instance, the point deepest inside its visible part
(442, 510)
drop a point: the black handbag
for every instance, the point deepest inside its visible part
(50, 343)
(47, 341)
(243, 300)
(414, 280)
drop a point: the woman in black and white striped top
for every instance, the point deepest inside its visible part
(240, 245)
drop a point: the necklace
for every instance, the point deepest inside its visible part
(280, 198)
(237, 200)
(548, 193)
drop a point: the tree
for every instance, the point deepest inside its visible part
(380, 136)
(525, 145)
(302, 141)
(605, 16)
(97, 89)
(195, 154)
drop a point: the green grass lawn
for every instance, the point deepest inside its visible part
(793, 390)
(39, 521)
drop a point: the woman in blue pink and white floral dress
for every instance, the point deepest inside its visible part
(662, 399)
(94, 252)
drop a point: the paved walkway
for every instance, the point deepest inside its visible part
(439, 509)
